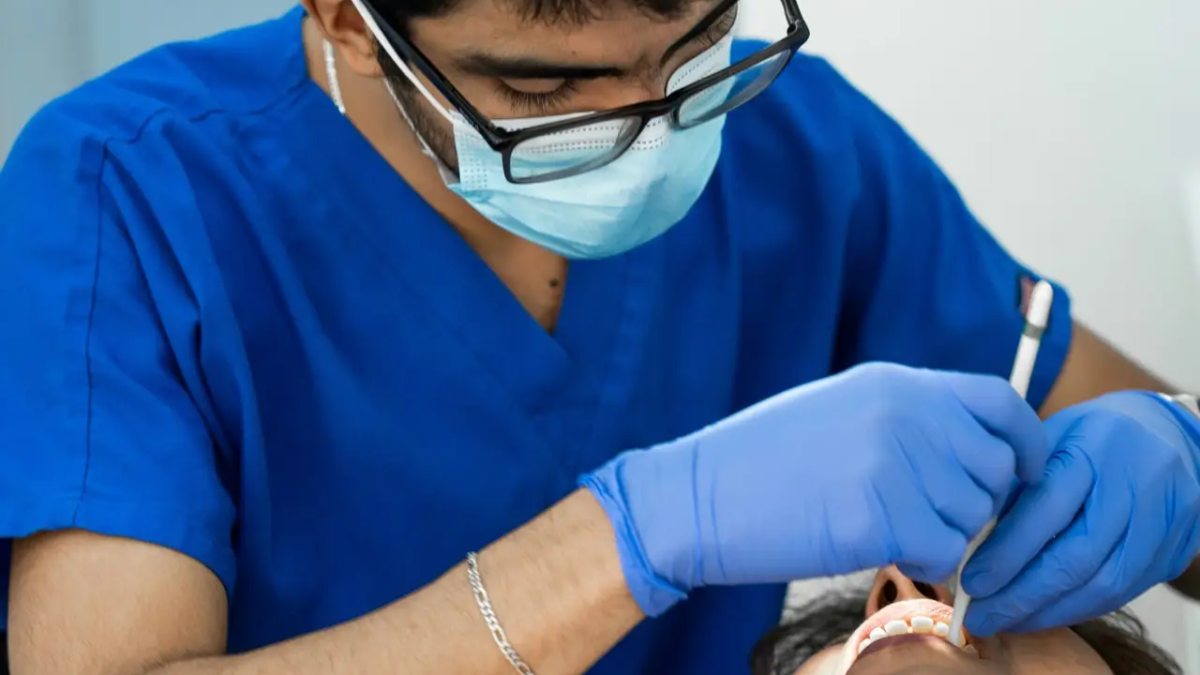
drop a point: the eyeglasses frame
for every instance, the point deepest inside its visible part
(505, 141)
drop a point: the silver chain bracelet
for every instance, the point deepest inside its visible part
(489, 616)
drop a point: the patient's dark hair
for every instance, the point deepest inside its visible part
(1119, 639)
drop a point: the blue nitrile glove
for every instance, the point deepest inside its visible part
(881, 464)
(1117, 512)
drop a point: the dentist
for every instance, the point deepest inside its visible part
(554, 336)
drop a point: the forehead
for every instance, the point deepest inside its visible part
(577, 27)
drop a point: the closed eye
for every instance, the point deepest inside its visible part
(719, 29)
(536, 103)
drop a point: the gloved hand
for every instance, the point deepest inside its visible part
(881, 464)
(1116, 513)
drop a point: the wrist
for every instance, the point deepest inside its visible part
(1186, 412)
(556, 588)
(637, 492)
(1190, 404)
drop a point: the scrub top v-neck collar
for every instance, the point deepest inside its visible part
(572, 384)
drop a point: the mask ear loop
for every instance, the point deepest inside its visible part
(335, 91)
(331, 74)
(391, 52)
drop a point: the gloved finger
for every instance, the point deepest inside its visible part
(926, 547)
(1117, 579)
(935, 565)
(940, 467)
(1002, 411)
(987, 459)
(1093, 599)
(1146, 536)
(1068, 563)
(1069, 610)
(1043, 511)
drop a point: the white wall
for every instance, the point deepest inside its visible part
(1192, 205)
(40, 57)
(49, 46)
(1069, 126)
(121, 29)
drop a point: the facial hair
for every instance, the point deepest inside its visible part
(426, 122)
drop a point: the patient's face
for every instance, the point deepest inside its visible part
(918, 648)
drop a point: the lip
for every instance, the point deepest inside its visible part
(900, 611)
(900, 640)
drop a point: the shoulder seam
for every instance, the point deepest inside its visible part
(132, 138)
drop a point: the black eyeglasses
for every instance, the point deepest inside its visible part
(532, 155)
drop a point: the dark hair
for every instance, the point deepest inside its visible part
(1119, 639)
(570, 12)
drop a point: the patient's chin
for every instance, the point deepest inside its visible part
(1059, 651)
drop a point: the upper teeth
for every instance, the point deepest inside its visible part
(916, 624)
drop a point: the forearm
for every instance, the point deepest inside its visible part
(555, 584)
(1094, 368)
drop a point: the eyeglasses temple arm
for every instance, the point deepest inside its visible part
(372, 25)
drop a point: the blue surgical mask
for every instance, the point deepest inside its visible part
(606, 211)
(600, 213)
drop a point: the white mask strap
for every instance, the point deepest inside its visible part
(335, 87)
(335, 93)
(391, 52)
(331, 74)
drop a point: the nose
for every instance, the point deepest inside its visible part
(645, 84)
(634, 91)
(892, 586)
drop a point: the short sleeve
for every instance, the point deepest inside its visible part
(97, 430)
(926, 284)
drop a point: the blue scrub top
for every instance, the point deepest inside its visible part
(229, 328)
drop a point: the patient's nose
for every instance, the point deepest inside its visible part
(892, 586)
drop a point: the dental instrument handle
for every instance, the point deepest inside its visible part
(1037, 316)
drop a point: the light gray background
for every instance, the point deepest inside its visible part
(1069, 126)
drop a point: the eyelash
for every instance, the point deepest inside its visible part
(539, 102)
(545, 102)
(719, 28)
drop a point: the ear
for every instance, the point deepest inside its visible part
(340, 23)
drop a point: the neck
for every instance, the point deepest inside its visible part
(527, 269)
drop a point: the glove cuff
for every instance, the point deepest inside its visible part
(653, 594)
(1189, 424)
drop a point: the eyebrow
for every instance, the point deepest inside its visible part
(533, 68)
(699, 29)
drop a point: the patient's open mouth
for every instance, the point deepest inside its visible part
(908, 621)
(913, 625)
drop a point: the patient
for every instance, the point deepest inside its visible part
(831, 637)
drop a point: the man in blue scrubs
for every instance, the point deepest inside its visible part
(297, 317)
